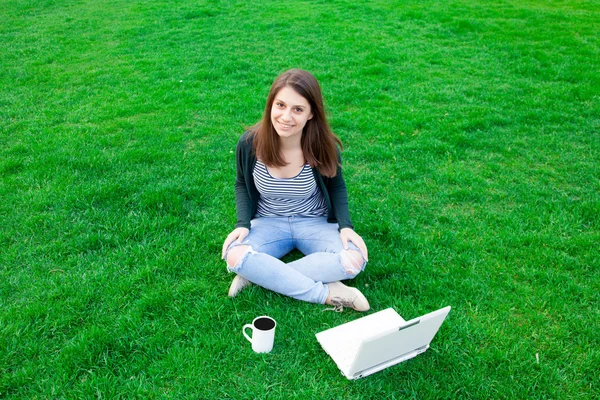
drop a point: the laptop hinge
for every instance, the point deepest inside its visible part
(389, 363)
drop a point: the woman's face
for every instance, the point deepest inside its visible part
(289, 113)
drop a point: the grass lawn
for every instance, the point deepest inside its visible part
(472, 153)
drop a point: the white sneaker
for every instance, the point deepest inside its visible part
(239, 282)
(342, 296)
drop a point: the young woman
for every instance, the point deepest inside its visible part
(290, 194)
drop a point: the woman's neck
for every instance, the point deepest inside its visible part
(290, 144)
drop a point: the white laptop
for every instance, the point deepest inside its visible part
(380, 340)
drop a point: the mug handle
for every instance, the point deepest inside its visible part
(244, 331)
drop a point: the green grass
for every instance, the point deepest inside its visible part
(472, 147)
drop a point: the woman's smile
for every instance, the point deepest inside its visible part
(284, 126)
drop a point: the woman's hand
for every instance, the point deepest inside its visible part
(237, 234)
(348, 235)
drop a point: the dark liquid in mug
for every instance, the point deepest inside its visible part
(264, 324)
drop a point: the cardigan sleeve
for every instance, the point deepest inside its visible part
(338, 194)
(243, 201)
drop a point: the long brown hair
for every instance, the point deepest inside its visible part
(318, 141)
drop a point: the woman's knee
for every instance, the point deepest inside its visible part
(352, 262)
(236, 254)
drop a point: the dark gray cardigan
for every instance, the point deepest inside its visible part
(246, 195)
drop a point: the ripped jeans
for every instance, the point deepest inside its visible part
(325, 259)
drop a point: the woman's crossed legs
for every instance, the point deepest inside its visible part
(257, 258)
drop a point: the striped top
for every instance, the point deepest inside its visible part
(284, 197)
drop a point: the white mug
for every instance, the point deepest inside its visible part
(263, 333)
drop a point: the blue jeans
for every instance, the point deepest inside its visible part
(325, 259)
